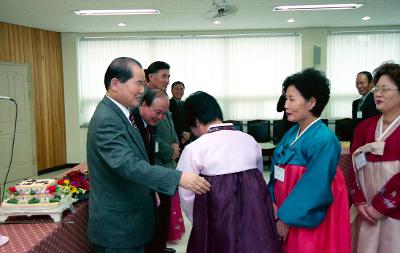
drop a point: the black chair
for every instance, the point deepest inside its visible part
(325, 121)
(278, 130)
(259, 129)
(344, 129)
(236, 123)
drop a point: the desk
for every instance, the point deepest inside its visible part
(45, 236)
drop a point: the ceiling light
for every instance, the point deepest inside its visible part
(291, 20)
(365, 18)
(117, 12)
(313, 7)
(217, 22)
(121, 24)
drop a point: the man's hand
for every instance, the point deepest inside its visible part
(194, 183)
(175, 154)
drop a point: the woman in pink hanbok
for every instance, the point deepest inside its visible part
(375, 188)
(176, 223)
(307, 185)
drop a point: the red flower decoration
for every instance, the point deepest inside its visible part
(12, 189)
(77, 179)
(51, 188)
(73, 174)
(85, 185)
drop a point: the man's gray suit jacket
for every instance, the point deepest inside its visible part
(121, 203)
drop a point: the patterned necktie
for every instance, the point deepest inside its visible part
(147, 133)
(360, 103)
(180, 105)
(147, 144)
(132, 120)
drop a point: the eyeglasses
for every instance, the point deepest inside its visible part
(383, 90)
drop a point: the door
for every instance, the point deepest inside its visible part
(15, 83)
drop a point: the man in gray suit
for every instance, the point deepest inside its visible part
(121, 202)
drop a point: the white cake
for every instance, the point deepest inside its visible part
(34, 193)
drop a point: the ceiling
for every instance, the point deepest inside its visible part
(190, 15)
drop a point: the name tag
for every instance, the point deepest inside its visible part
(361, 161)
(156, 147)
(279, 173)
(359, 114)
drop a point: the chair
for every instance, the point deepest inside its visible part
(236, 123)
(344, 129)
(259, 129)
(325, 121)
(278, 130)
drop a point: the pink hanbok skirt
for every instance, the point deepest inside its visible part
(333, 234)
(176, 224)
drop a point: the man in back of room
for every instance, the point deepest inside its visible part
(364, 107)
(176, 108)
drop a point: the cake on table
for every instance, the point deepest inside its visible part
(34, 193)
(45, 196)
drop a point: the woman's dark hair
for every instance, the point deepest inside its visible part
(176, 83)
(311, 83)
(155, 67)
(367, 74)
(120, 68)
(202, 107)
(390, 69)
(151, 94)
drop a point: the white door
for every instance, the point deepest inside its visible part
(15, 83)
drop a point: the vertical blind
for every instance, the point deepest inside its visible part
(350, 53)
(244, 73)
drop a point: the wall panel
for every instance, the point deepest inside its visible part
(42, 50)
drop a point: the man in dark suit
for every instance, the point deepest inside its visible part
(152, 109)
(122, 182)
(166, 151)
(364, 107)
(176, 108)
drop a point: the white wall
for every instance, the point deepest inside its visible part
(76, 135)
